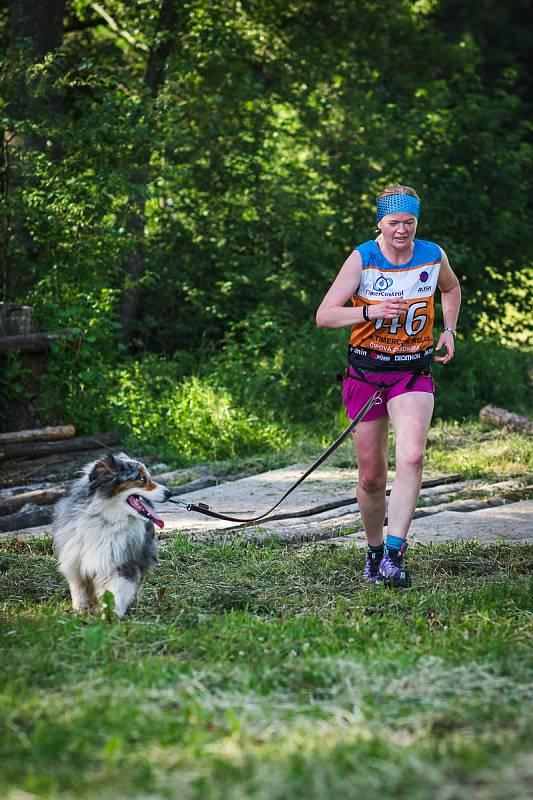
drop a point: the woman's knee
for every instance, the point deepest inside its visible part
(372, 482)
(410, 460)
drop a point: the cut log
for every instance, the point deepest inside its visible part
(35, 342)
(39, 497)
(18, 451)
(27, 517)
(51, 469)
(501, 418)
(15, 490)
(51, 433)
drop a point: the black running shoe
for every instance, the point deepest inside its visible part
(372, 561)
(392, 571)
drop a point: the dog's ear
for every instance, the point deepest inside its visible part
(104, 474)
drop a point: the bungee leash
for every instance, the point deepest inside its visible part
(203, 508)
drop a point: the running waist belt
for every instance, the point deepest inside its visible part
(373, 361)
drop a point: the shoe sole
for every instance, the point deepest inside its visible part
(402, 582)
(396, 584)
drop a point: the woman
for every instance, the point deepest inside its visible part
(392, 282)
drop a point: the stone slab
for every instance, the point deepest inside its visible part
(510, 522)
(255, 494)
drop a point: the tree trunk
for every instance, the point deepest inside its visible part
(39, 497)
(28, 517)
(37, 25)
(48, 469)
(154, 77)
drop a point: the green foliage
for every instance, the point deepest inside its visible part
(154, 405)
(482, 371)
(194, 418)
(285, 370)
(107, 606)
(255, 168)
(267, 383)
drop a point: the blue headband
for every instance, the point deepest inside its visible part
(397, 202)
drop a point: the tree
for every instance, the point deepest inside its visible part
(35, 30)
(170, 16)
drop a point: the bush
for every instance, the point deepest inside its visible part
(287, 371)
(191, 417)
(291, 374)
(154, 406)
(482, 372)
(266, 383)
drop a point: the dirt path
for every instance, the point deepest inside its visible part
(324, 507)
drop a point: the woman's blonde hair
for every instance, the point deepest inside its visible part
(397, 188)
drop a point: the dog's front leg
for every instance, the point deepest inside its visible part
(79, 592)
(123, 590)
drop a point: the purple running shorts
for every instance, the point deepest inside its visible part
(355, 392)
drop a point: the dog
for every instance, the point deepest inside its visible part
(104, 534)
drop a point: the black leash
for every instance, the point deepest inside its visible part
(203, 508)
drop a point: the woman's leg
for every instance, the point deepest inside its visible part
(371, 447)
(410, 415)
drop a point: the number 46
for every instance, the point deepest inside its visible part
(414, 321)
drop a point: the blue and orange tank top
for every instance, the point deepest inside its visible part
(406, 341)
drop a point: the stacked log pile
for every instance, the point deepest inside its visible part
(37, 467)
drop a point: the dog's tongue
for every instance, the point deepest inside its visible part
(150, 513)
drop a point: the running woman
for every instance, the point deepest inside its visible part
(391, 282)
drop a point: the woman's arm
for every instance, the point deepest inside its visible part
(332, 312)
(451, 303)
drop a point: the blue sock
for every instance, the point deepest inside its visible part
(394, 542)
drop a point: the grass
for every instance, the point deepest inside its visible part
(268, 673)
(467, 448)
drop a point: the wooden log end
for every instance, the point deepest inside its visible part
(501, 418)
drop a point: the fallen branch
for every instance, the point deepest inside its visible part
(116, 29)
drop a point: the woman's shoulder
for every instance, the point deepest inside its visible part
(368, 250)
(428, 251)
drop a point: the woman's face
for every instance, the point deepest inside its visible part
(398, 229)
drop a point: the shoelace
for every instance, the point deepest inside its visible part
(372, 562)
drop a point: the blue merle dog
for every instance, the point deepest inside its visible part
(104, 531)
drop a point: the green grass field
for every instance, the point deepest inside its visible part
(268, 672)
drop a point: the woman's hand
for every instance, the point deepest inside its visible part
(388, 309)
(446, 340)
